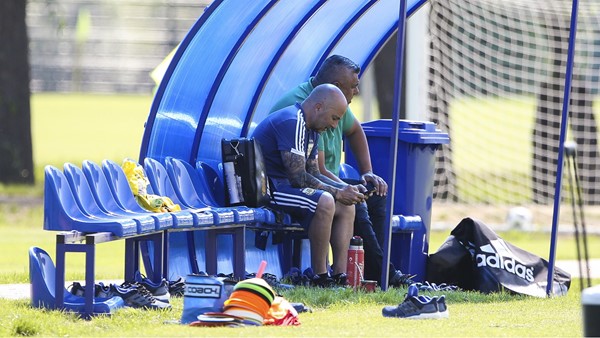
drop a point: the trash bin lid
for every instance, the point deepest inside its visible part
(591, 296)
(409, 131)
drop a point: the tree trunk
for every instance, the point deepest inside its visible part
(16, 158)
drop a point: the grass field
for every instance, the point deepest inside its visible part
(492, 147)
(76, 127)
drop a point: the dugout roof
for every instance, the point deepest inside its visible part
(241, 56)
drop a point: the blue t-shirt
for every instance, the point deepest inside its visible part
(285, 130)
(330, 141)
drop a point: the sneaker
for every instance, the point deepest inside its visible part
(413, 307)
(401, 279)
(441, 304)
(137, 297)
(340, 279)
(100, 290)
(77, 289)
(322, 281)
(426, 286)
(160, 291)
(296, 277)
(442, 308)
(177, 288)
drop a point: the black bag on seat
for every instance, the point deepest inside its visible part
(244, 171)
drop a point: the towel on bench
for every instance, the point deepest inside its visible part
(138, 182)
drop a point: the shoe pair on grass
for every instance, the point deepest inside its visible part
(325, 281)
(418, 307)
(142, 293)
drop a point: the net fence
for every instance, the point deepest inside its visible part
(496, 85)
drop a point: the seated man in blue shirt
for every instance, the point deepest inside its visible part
(370, 216)
(288, 140)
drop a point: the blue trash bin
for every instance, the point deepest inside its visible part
(413, 194)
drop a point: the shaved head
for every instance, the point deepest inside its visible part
(326, 105)
(331, 95)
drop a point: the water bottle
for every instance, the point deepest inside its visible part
(356, 262)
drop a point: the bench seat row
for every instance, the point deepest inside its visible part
(97, 198)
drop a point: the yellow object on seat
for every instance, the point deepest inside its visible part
(138, 182)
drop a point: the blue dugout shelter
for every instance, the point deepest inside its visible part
(238, 59)
(241, 56)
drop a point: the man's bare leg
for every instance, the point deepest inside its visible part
(341, 234)
(319, 232)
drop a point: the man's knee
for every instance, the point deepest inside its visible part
(326, 204)
(377, 202)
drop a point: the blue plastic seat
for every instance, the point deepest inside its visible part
(161, 183)
(193, 191)
(42, 274)
(215, 246)
(107, 201)
(61, 212)
(279, 256)
(88, 205)
(214, 179)
(121, 191)
(348, 171)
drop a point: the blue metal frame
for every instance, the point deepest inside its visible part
(190, 111)
(394, 144)
(561, 150)
(218, 80)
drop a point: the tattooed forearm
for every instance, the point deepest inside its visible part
(312, 167)
(299, 173)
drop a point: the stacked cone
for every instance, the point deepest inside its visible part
(250, 300)
(248, 304)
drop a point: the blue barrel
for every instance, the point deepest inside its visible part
(413, 194)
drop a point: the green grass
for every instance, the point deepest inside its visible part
(77, 127)
(62, 133)
(492, 147)
(335, 314)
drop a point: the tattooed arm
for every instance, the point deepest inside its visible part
(344, 193)
(296, 167)
(312, 167)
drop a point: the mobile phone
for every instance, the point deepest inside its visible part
(370, 188)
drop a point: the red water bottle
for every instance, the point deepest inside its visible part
(356, 262)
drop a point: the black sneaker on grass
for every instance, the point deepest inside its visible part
(340, 279)
(323, 281)
(137, 296)
(77, 289)
(177, 287)
(442, 308)
(100, 290)
(160, 290)
(401, 279)
(414, 307)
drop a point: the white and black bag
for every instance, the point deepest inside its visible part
(475, 258)
(246, 180)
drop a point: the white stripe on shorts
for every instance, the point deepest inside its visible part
(294, 201)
